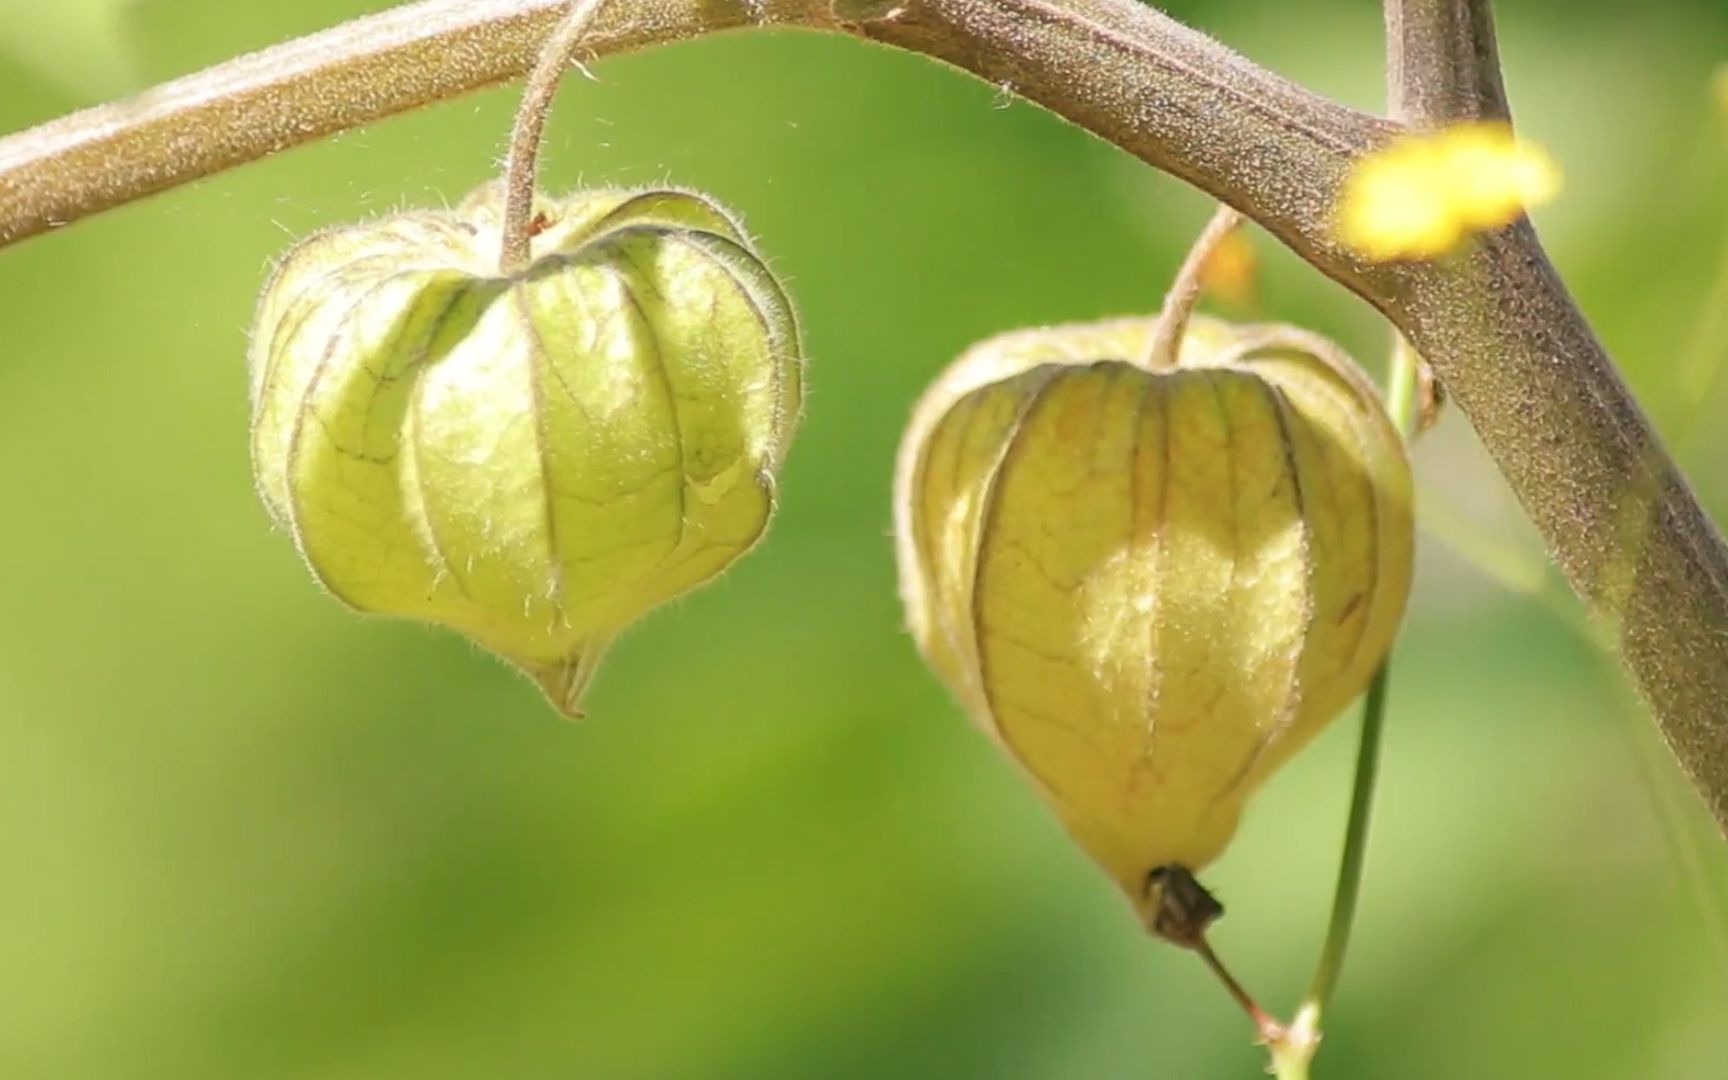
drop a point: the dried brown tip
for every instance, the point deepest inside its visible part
(1180, 911)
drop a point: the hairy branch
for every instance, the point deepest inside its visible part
(1134, 76)
(1523, 364)
(1498, 327)
(297, 92)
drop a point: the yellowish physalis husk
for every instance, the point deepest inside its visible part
(538, 459)
(1151, 587)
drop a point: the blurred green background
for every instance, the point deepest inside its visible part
(244, 833)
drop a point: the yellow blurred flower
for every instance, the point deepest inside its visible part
(1423, 194)
(1719, 89)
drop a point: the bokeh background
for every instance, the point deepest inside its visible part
(244, 833)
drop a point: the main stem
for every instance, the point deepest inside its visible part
(1498, 326)
(1442, 62)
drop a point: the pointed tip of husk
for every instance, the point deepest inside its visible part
(564, 683)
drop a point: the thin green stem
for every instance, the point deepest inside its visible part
(1292, 1053)
(1350, 866)
(1685, 846)
(525, 137)
(1401, 405)
(1401, 385)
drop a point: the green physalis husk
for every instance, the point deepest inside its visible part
(534, 459)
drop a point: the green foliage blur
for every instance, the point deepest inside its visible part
(244, 833)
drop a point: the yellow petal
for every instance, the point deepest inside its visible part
(1423, 194)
